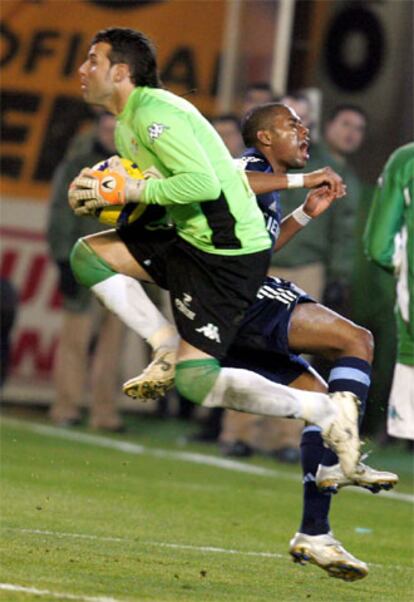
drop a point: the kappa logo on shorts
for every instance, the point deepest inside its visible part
(155, 130)
(182, 306)
(210, 331)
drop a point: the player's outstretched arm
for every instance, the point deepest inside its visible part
(317, 202)
(262, 183)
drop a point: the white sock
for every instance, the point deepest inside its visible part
(126, 298)
(240, 389)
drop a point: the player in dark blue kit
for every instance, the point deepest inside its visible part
(284, 322)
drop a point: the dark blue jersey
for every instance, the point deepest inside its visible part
(269, 203)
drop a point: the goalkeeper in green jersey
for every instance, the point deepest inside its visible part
(222, 250)
(389, 241)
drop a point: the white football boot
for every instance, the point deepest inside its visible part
(157, 378)
(327, 552)
(329, 479)
(342, 434)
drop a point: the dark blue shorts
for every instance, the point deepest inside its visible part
(261, 343)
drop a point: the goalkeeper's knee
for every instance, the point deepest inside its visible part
(194, 379)
(87, 267)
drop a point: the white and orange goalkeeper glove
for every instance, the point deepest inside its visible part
(94, 189)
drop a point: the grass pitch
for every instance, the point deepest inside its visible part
(85, 520)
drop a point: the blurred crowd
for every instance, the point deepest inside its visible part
(325, 260)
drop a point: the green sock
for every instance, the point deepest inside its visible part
(194, 379)
(87, 267)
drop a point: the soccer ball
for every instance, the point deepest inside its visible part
(116, 215)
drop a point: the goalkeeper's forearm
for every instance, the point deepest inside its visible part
(175, 190)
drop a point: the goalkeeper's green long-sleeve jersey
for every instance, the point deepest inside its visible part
(193, 174)
(389, 239)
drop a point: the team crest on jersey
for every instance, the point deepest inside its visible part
(155, 130)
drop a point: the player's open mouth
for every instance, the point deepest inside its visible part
(304, 149)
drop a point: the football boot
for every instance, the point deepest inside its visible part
(329, 554)
(329, 479)
(156, 379)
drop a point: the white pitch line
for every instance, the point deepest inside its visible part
(195, 458)
(11, 587)
(178, 546)
(159, 544)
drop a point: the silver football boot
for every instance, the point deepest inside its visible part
(328, 553)
(330, 479)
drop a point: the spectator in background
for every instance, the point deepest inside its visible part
(80, 311)
(389, 241)
(228, 126)
(255, 95)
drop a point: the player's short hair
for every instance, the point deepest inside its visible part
(136, 50)
(258, 119)
(346, 107)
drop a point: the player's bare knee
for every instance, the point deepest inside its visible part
(359, 343)
(367, 342)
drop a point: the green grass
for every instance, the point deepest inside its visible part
(71, 489)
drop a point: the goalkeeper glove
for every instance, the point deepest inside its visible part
(93, 190)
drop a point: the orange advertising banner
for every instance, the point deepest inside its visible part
(43, 42)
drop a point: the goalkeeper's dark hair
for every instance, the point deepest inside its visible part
(257, 119)
(136, 50)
